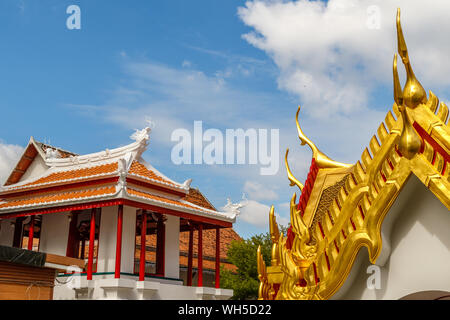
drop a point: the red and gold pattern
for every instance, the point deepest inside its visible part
(321, 246)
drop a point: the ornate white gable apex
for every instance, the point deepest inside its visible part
(187, 184)
(132, 151)
(140, 135)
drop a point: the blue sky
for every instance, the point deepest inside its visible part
(228, 63)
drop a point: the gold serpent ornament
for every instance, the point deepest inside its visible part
(315, 258)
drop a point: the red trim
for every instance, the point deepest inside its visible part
(31, 234)
(82, 206)
(155, 187)
(390, 164)
(316, 279)
(143, 245)
(309, 184)
(335, 244)
(290, 238)
(177, 213)
(328, 261)
(436, 146)
(191, 254)
(321, 229)
(119, 241)
(217, 258)
(91, 244)
(200, 256)
(37, 190)
(361, 211)
(383, 176)
(353, 224)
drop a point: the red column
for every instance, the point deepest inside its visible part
(91, 244)
(143, 246)
(191, 252)
(160, 244)
(217, 257)
(31, 234)
(200, 256)
(119, 241)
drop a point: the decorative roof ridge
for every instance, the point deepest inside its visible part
(185, 185)
(134, 150)
(194, 209)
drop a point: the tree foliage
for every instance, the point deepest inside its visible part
(244, 281)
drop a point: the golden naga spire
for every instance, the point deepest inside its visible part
(274, 235)
(294, 181)
(321, 159)
(413, 93)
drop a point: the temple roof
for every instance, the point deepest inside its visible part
(342, 207)
(66, 179)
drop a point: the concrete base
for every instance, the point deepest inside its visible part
(147, 289)
(106, 287)
(116, 289)
(223, 294)
(205, 293)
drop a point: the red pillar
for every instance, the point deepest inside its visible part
(160, 246)
(143, 246)
(91, 244)
(191, 253)
(200, 256)
(217, 257)
(31, 234)
(119, 241)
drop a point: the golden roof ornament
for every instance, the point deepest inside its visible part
(321, 159)
(342, 210)
(413, 93)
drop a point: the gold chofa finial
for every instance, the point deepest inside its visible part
(294, 181)
(413, 93)
(398, 94)
(322, 161)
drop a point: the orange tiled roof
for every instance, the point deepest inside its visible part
(196, 197)
(60, 196)
(75, 174)
(138, 193)
(139, 169)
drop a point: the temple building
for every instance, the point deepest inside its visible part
(121, 216)
(376, 229)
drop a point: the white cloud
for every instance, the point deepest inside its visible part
(328, 56)
(9, 155)
(257, 214)
(258, 191)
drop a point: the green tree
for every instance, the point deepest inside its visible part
(244, 281)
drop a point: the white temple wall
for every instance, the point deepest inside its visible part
(36, 168)
(54, 233)
(7, 232)
(172, 247)
(107, 240)
(420, 249)
(128, 239)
